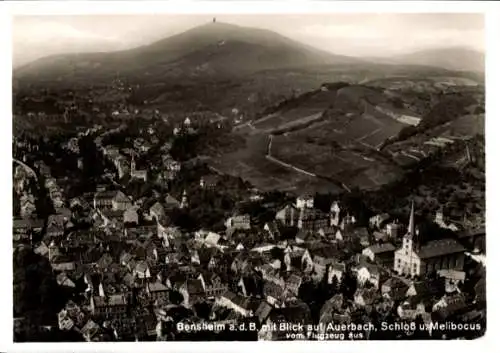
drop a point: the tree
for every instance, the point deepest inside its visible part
(348, 285)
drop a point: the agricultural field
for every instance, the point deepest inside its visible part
(354, 168)
(353, 135)
(252, 165)
(417, 147)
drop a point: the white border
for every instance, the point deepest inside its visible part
(491, 9)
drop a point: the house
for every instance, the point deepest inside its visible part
(71, 317)
(112, 306)
(274, 293)
(28, 208)
(312, 219)
(212, 239)
(115, 200)
(262, 312)
(348, 223)
(303, 236)
(453, 279)
(362, 235)
(293, 283)
(412, 307)
(192, 292)
(442, 222)
(450, 305)
(90, 331)
(62, 263)
(381, 237)
(418, 259)
(104, 262)
(24, 226)
(392, 230)
(130, 216)
(244, 306)
(273, 230)
(214, 286)
(366, 296)
(250, 286)
(157, 290)
(339, 235)
(328, 233)
(296, 319)
(238, 222)
(369, 273)
(380, 253)
(142, 270)
(304, 201)
(429, 288)
(209, 182)
(157, 211)
(335, 214)
(171, 203)
(337, 270)
(64, 281)
(322, 258)
(288, 216)
(378, 220)
(166, 233)
(394, 288)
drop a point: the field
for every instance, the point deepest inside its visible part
(353, 168)
(419, 146)
(339, 137)
(252, 165)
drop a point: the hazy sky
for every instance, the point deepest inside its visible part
(349, 34)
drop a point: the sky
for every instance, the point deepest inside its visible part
(356, 34)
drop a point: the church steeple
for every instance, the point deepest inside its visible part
(411, 223)
(132, 165)
(410, 240)
(184, 201)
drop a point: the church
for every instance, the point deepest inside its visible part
(416, 258)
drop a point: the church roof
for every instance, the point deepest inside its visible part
(440, 247)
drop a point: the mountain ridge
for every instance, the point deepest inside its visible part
(253, 50)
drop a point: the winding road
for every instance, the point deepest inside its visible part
(26, 167)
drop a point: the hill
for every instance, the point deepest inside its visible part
(453, 58)
(204, 51)
(351, 135)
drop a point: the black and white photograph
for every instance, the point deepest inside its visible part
(239, 176)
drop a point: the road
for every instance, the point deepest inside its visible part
(26, 167)
(282, 163)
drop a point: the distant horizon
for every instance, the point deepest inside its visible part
(355, 35)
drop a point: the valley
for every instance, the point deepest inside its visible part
(302, 120)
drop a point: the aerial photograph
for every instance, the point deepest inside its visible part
(248, 177)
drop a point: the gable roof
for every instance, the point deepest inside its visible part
(452, 274)
(439, 248)
(263, 311)
(157, 287)
(369, 295)
(381, 248)
(157, 208)
(171, 202)
(28, 223)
